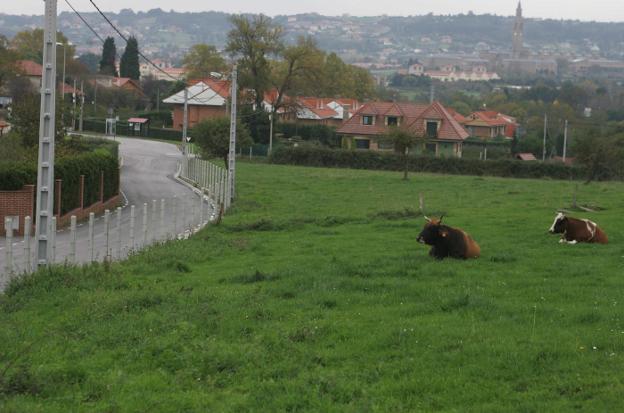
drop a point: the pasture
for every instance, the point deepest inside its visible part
(314, 296)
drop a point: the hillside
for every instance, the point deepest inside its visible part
(168, 34)
(313, 295)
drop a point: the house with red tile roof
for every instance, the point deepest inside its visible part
(117, 83)
(441, 133)
(488, 124)
(207, 99)
(31, 70)
(318, 111)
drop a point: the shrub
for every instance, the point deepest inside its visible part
(323, 157)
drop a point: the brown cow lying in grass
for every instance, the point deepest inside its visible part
(575, 230)
(447, 241)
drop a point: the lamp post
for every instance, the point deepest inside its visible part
(63, 79)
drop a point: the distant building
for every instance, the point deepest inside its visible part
(118, 83)
(441, 134)
(488, 124)
(207, 99)
(518, 50)
(318, 111)
(32, 71)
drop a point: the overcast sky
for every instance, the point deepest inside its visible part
(600, 10)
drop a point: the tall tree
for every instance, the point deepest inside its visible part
(8, 58)
(129, 64)
(202, 60)
(253, 40)
(213, 138)
(403, 141)
(109, 57)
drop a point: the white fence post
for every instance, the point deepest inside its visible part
(151, 221)
(72, 240)
(174, 208)
(53, 240)
(163, 232)
(132, 218)
(91, 237)
(27, 256)
(107, 233)
(8, 248)
(144, 224)
(201, 210)
(118, 232)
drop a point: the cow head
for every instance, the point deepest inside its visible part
(432, 231)
(559, 224)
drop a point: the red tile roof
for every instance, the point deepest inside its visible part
(68, 89)
(221, 87)
(414, 117)
(526, 157)
(30, 68)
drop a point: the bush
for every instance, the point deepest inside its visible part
(326, 135)
(96, 156)
(323, 157)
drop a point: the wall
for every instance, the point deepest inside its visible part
(21, 203)
(196, 114)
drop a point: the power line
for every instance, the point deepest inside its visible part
(84, 21)
(126, 40)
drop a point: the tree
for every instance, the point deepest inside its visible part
(403, 141)
(109, 57)
(213, 138)
(602, 156)
(25, 119)
(129, 64)
(253, 40)
(202, 60)
(301, 65)
(90, 61)
(8, 57)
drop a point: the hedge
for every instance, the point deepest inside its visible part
(99, 156)
(99, 126)
(323, 157)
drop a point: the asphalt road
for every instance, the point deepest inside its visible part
(147, 174)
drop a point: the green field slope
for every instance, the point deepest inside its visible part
(313, 296)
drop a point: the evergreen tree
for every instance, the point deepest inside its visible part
(109, 55)
(129, 64)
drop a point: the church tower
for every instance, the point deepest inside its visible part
(518, 34)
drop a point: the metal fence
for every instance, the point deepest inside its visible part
(125, 230)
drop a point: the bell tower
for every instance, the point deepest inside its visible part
(518, 33)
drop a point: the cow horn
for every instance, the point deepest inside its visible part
(440, 221)
(427, 218)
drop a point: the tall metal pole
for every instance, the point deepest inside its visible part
(270, 133)
(565, 140)
(74, 97)
(185, 121)
(45, 164)
(81, 104)
(544, 143)
(232, 153)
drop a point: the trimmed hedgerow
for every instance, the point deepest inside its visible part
(323, 157)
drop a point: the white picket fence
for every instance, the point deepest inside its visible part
(123, 231)
(209, 178)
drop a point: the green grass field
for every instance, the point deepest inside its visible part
(313, 296)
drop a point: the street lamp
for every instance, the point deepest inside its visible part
(64, 59)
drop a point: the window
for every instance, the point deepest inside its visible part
(367, 120)
(392, 120)
(362, 144)
(431, 148)
(432, 129)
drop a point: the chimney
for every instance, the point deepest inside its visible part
(345, 112)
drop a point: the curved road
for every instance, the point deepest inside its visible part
(147, 174)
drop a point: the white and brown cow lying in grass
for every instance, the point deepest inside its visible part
(575, 230)
(448, 242)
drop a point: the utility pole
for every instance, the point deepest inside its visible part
(544, 143)
(271, 132)
(565, 140)
(158, 100)
(232, 153)
(185, 121)
(74, 101)
(45, 163)
(81, 104)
